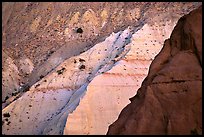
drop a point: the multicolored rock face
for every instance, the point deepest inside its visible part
(170, 98)
(109, 93)
(52, 65)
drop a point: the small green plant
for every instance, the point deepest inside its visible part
(81, 60)
(116, 56)
(14, 93)
(6, 115)
(60, 71)
(82, 67)
(41, 76)
(79, 30)
(37, 85)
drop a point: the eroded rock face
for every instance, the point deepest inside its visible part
(56, 63)
(45, 34)
(48, 102)
(169, 100)
(109, 92)
(10, 78)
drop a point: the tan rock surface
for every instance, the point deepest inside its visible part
(45, 33)
(94, 113)
(169, 100)
(10, 78)
(48, 102)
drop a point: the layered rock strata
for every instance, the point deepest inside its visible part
(48, 102)
(109, 92)
(45, 33)
(53, 64)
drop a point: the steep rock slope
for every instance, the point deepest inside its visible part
(62, 88)
(10, 78)
(45, 34)
(109, 92)
(169, 100)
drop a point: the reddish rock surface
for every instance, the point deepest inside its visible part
(169, 100)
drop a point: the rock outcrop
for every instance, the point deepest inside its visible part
(109, 92)
(94, 113)
(170, 98)
(61, 53)
(62, 88)
(10, 78)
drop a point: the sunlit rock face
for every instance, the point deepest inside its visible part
(62, 89)
(97, 111)
(10, 78)
(170, 98)
(57, 66)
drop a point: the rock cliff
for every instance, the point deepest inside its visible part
(170, 98)
(57, 56)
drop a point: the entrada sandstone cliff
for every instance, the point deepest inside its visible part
(170, 98)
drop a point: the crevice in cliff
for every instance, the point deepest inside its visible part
(196, 52)
(174, 81)
(164, 112)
